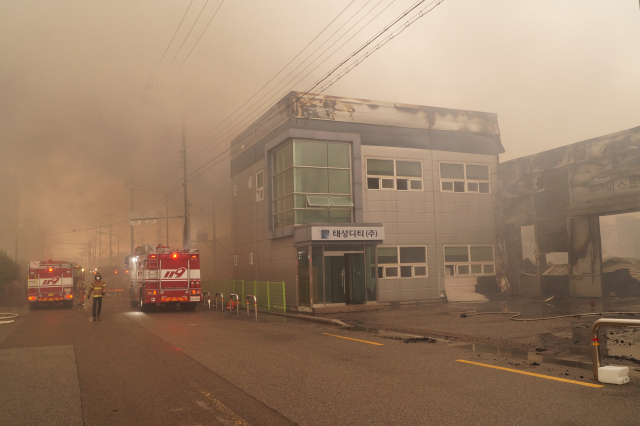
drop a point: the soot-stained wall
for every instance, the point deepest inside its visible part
(562, 192)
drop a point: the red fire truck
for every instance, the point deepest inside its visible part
(164, 276)
(50, 282)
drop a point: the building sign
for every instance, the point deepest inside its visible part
(347, 233)
(618, 184)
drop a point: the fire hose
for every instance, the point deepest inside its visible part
(516, 314)
(6, 318)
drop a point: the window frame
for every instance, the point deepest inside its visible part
(250, 182)
(296, 193)
(470, 263)
(464, 180)
(259, 189)
(382, 267)
(395, 176)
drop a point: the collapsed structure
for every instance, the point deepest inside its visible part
(551, 208)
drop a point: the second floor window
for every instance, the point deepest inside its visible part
(461, 177)
(392, 174)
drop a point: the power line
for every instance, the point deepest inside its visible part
(285, 77)
(174, 36)
(201, 34)
(248, 118)
(278, 73)
(355, 63)
(189, 33)
(84, 229)
(253, 115)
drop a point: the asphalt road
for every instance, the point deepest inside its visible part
(210, 368)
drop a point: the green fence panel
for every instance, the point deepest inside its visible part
(270, 295)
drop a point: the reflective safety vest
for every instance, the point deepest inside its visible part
(98, 288)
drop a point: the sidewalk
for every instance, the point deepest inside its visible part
(565, 338)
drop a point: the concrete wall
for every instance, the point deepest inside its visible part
(429, 217)
(273, 259)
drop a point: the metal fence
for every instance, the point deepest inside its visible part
(270, 294)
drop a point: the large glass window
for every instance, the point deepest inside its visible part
(401, 175)
(460, 177)
(312, 183)
(468, 260)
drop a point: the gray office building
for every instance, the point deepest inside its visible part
(358, 202)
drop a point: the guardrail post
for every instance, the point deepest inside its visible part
(237, 304)
(255, 305)
(243, 288)
(268, 298)
(221, 301)
(595, 344)
(284, 299)
(206, 300)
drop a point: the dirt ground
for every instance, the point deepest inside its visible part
(565, 338)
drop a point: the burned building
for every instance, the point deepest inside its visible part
(551, 207)
(354, 201)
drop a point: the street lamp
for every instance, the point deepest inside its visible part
(166, 194)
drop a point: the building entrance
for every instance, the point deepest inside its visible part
(344, 277)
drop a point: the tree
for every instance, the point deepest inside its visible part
(9, 273)
(9, 269)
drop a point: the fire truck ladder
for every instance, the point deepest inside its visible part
(154, 266)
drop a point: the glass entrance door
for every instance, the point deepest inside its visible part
(335, 278)
(355, 291)
(344, 277)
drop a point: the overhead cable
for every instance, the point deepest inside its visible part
(174, 36)
(331, 80)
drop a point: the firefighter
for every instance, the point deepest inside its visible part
(82, 288)
(98, 289)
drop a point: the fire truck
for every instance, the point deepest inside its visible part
(50, 282)
(164, 276)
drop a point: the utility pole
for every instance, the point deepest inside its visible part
(110, 247)
(130, 225)
(16, 253)
(214, 239)
(100, 244)
(186, 234)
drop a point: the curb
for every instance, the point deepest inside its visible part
(331, 321)
(335, 322)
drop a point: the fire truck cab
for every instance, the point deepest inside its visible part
(164, 276)
(50, 282)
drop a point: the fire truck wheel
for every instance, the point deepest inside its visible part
(144, 307)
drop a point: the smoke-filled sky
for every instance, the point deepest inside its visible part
(86, 112)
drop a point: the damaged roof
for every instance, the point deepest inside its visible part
(299, 105)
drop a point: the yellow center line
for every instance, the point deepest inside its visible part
(575, 382)
(349, 338)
